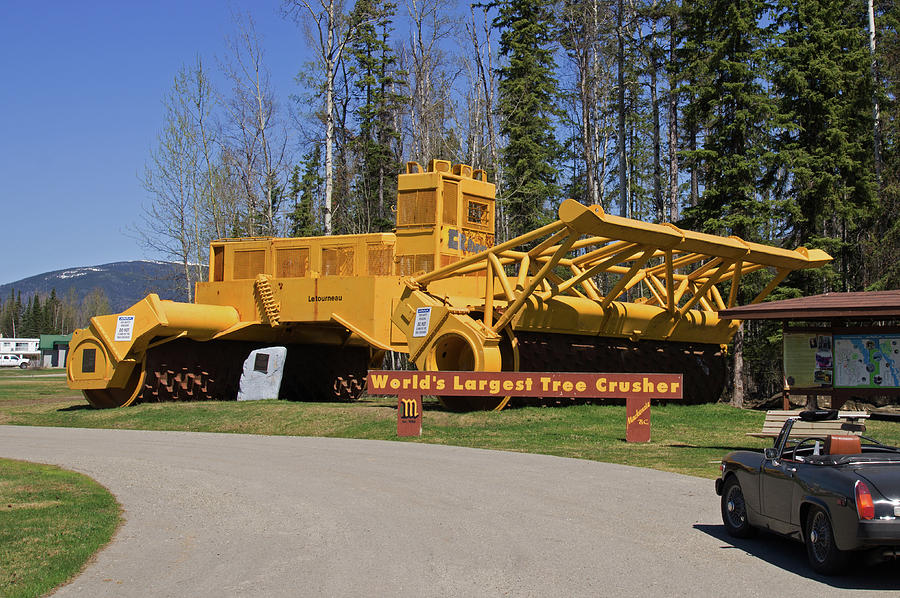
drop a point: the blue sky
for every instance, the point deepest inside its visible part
(81, 102)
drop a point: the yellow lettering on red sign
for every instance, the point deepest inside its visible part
(410, 408)
(575, 385)
(639, 413)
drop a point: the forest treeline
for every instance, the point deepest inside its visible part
(39, 314)
(772, 120)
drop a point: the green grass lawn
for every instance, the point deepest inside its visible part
(687, 439)
(51, 522)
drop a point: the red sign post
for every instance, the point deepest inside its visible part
(636, 389)
(637, 420)
(409, 413)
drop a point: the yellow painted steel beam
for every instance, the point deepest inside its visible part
(560, 286)
(670, 282)
(717, 298)
(586, 283)
(513, 309)
(443, 272)
(626, 254)
(657, 290)
(776, 280)
(626, 278)
(501, 276)
(489, 294)
(550, 245)
(701, 292)
(735, 282)
(593, 220)
(524, 267)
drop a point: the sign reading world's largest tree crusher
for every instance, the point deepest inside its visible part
(636, 389)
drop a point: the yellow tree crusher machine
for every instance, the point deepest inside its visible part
(441, 290)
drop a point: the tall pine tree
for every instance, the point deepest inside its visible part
(735, 108)
(528, 107)
(377, 82)
(823, 80)
(304, 218)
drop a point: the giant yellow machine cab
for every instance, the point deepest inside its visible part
(589, 292)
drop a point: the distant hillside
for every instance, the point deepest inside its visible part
(125, 283)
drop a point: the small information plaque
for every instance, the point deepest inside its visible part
(423, 321)
(124, 328)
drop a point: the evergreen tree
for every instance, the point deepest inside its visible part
(736, 109)
(379, 102)
(528, 106)
(692, 59)
(304, 218)
(26, 327)
(18, 313)
(50, 322)
(882, 241)
(34, 316)
(9, 317)
(825, 148)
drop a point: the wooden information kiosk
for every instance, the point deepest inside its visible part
(839, 345)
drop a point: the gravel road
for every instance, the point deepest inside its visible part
(234, 515)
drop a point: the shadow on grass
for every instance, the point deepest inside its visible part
(727, 449)
(76, 408)
(791, 556)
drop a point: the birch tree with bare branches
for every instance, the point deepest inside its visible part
(170, 221)
(431, 82)
(256, 134)
(586, 23)
(482, 103)
(328, 29)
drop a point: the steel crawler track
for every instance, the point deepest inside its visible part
(187, 370)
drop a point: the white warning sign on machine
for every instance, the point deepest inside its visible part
(124, 328)
(423, 320)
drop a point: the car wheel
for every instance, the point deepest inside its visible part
(734, 510)
(824, 555)
(23, 365)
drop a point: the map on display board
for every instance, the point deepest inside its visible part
(867, 360)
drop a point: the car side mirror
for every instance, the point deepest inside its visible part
(771, 454)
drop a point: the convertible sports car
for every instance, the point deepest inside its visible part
(838, 494)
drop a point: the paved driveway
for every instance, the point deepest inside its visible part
(232, 515)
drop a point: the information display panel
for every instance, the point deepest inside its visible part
(808, 359)
(867, 360)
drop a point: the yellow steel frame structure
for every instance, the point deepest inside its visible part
(681, 269)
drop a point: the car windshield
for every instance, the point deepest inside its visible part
(830, 449)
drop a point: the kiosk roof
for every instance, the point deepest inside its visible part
(867, 305)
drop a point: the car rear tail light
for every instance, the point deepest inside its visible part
(865, 506)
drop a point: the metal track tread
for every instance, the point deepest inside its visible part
(187, 370)
(324, 373)
(703, 366)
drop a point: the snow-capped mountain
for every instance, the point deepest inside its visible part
(124, 283)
